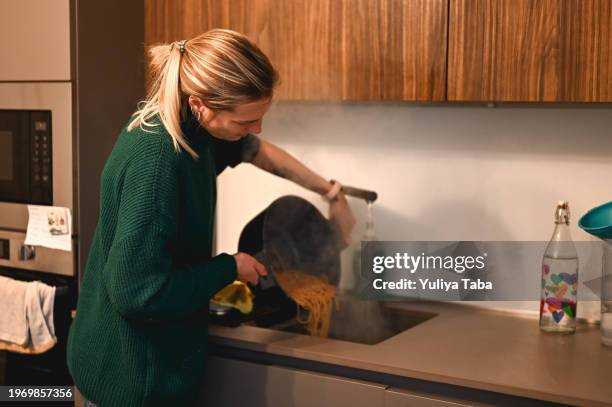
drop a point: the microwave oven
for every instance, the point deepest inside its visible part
(36, 149)
(36, 168)
(26, 166)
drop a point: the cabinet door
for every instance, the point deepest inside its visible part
(297, 388)
(327, 49)
(232, 382)
(302, 38)
(526, 50)
(403, 398)
(394, 49)
(35, 40)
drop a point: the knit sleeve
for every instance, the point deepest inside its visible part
(232, 153)
(142, 281)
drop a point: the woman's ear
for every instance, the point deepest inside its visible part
(196, 105)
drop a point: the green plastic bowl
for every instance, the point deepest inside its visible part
(598, 221)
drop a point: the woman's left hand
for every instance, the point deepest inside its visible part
(340, 213)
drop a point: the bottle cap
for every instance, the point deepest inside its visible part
(562, 212)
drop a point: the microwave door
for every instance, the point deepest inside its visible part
(14, 156)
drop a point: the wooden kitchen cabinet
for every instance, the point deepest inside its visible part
(396, 50)
(530, 50)
(231, 382)
(348, 50)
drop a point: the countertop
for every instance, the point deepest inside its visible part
(465, 346)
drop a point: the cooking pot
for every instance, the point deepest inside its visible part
(291, 234)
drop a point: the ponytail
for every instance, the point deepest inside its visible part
(221, 67)
(164, 96)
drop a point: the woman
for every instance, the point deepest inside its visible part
(139, 336)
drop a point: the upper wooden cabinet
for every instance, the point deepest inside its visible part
(327, 49)
(355, 50)
(394, 49)
(530, 50)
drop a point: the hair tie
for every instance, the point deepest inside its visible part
(181, 45)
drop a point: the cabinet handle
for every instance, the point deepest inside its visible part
(27, 252)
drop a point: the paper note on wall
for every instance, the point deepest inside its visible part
(49, 226)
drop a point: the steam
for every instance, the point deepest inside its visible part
(361, 321)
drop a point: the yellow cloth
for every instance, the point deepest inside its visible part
(236, 295)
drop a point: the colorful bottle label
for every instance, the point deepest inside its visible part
(558, 294)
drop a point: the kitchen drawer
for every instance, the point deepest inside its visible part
(402, 398)
(304, 389)
(232, 382)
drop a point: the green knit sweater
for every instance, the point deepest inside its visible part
(140, 333)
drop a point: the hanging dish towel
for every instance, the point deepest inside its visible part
(26, 320)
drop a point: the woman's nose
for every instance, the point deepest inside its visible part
(256, 127)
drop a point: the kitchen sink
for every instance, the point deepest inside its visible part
(367, 322)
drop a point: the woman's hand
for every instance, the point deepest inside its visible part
(340, 213)
(248, 268)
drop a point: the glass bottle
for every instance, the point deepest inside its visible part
(559, 277)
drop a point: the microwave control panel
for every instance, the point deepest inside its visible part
(41, 177)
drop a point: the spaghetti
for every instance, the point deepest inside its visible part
(312, 293)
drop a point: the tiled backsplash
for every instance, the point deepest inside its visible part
(441, 172)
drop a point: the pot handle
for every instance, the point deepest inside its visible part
(366, 195)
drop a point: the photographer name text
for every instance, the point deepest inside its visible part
(422, 262)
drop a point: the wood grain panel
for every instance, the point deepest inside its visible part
(301, 38)
(394, 49)
(305, 46)
(503, 50)
(327, 49)
(167, 20)
(425, 49)
(586, 41)
(529, 50)
(365, 22)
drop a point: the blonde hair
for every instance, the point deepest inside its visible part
(221, 67)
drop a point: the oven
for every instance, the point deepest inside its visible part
(37, 168)
(27, 263)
